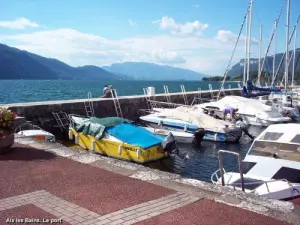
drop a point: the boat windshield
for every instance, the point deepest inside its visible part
(276, 150)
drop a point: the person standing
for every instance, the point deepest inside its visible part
(104, 89)
(231, 111)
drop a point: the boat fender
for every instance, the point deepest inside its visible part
(93, 145)
(120, 149)
(216, 136)
(70, 134)
(185, 128)
(138, 153)
(76, 139)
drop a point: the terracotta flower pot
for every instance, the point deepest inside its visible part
(6, 143)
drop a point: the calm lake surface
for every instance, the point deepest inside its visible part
(202, 162)
(17, 91)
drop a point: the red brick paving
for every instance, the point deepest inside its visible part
(27, 169)
(296, 201)
(206, 212)
(27, 211)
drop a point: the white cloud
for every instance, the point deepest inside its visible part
(132, 23)
(196, 6)
(189, 28)
(19, 23)
(77, 49)
(167, 57)
(227, 36)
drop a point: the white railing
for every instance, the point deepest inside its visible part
(215, 180)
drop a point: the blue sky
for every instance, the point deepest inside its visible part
(193, 34)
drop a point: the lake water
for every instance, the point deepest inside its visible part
(202, 162)
(16, 91)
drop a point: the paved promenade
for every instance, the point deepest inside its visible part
(45, 183)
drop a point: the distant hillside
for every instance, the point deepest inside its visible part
(17, 64)
(238, 68)
(150, 71)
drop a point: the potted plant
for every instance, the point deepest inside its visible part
(7, 119)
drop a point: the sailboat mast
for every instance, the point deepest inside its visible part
(294, 57)
(259, 48)
(274, 56)
(246, 49)
(287, 44)
(249, 40)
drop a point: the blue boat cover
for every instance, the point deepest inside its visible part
(134, 135)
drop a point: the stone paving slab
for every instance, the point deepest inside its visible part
(29, 214)
(193, 188)
(25, 170)
(206, 212)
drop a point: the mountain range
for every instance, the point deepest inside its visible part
(18, 64)
(238, 69)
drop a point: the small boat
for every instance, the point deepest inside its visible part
(30, 130)
(185, 119)
(181, 137)
(271, 167)
(253, 111)
(117, 137)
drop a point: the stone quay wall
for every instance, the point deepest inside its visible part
(40, 113)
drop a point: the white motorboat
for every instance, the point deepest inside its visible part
(271, 167)
(30, 130)
(181, 137)
(186, 119)
(284, 102)
(252, 110)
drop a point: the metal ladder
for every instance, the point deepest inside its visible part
(117, 105)
(221, 166)
(213, 98)
(167, 94)
(198, 99)
(62, 120)
(229, 87)
(184, 95)
(88, 105)
(150, 103)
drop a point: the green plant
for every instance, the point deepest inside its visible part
(6, 122)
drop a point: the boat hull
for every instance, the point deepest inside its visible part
(117, 149)
(38, 134)
(181, 137)
(229, 137)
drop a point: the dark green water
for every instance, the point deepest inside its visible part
(16, 91)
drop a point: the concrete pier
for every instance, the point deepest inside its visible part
(40, 113)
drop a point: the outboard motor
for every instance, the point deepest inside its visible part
(239, 122)
(170, 146)
(199, 134)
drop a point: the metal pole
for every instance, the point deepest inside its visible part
(283, 57)
(294, 57)
(246, 50)
(241, 171)
(249, 40)
(274, 56)
(221, 167)
(231, 58)
(287, 44)
(259, 50)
